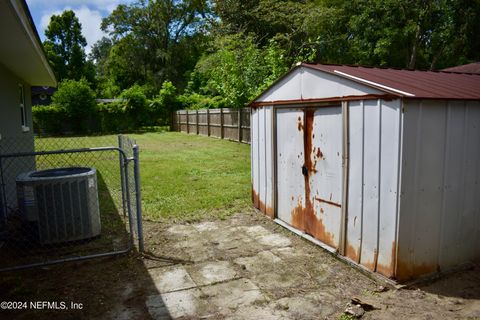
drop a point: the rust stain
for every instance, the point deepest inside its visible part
(262, 206)
(319, 153)
(307, 142)
(257, 203)
(304, 218)
(269, 212)
(321, 210)
(300, 124)
(351, 253)
(408, 271)
(371, 265)
(328, 202)
(389, 269)
(255, 198)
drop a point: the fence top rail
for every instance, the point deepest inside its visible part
(81, 150)
(218, 110)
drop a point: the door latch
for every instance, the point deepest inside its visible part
(304, 170)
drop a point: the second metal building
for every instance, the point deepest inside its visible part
(379, 165)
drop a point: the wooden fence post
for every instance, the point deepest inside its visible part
(188, 129)
(179, 126)
(221, 123)
(240, 125)
(198, 130)
(208, 122)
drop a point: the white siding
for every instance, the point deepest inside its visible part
(440, 185)
(371, 160)
(373, 180)
(262, 165)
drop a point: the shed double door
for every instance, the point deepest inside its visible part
(309, 170)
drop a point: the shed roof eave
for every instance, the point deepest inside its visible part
(385, 96)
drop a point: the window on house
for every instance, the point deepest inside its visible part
(23, 108)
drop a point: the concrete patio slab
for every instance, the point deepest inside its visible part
(212, 272)
(171, 279)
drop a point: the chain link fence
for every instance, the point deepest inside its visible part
(64, 199)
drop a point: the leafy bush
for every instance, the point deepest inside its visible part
(162, 106)
(113, 117)
(195, 101)
(75, 97)
(77, 100)
(48, 119)
(135, 105)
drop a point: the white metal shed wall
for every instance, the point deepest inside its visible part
(374, 151)
(303, 83)
(262, 162)
(439, 223)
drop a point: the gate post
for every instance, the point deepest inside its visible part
(138, 197)
(122, 174)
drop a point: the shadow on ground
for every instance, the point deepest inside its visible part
(102, 288)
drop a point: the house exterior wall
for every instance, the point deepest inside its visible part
(13, 137)
(439, 222)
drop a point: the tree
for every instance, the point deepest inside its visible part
(238, 69)
(154, 41)
(64, 47)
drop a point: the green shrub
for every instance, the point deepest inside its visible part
(195, 101)
(135, 105)
(77, 99)
(48, 119)
(162, 106)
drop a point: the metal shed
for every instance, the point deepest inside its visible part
(381, 166)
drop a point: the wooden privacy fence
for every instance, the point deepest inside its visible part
(231, 124)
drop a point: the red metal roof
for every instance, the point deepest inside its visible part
(466, 68)
(410, 83)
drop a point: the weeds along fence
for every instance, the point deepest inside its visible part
(231, 124)
(68, 198)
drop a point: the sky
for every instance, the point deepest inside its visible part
(88, 12)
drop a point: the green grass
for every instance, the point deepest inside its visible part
(184, 177)
(187, 177)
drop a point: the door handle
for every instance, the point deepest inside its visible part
(304, 170)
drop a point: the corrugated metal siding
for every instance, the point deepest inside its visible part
(261, 162)
(373, 183)
(439, 222)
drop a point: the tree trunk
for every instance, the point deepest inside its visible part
(413, 56)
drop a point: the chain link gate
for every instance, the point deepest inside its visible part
(63, 199)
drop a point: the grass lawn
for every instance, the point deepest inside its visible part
(188, 177)
(184, 177)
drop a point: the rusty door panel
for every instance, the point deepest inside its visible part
(310, 184)
(325, 173)
(290, 158)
